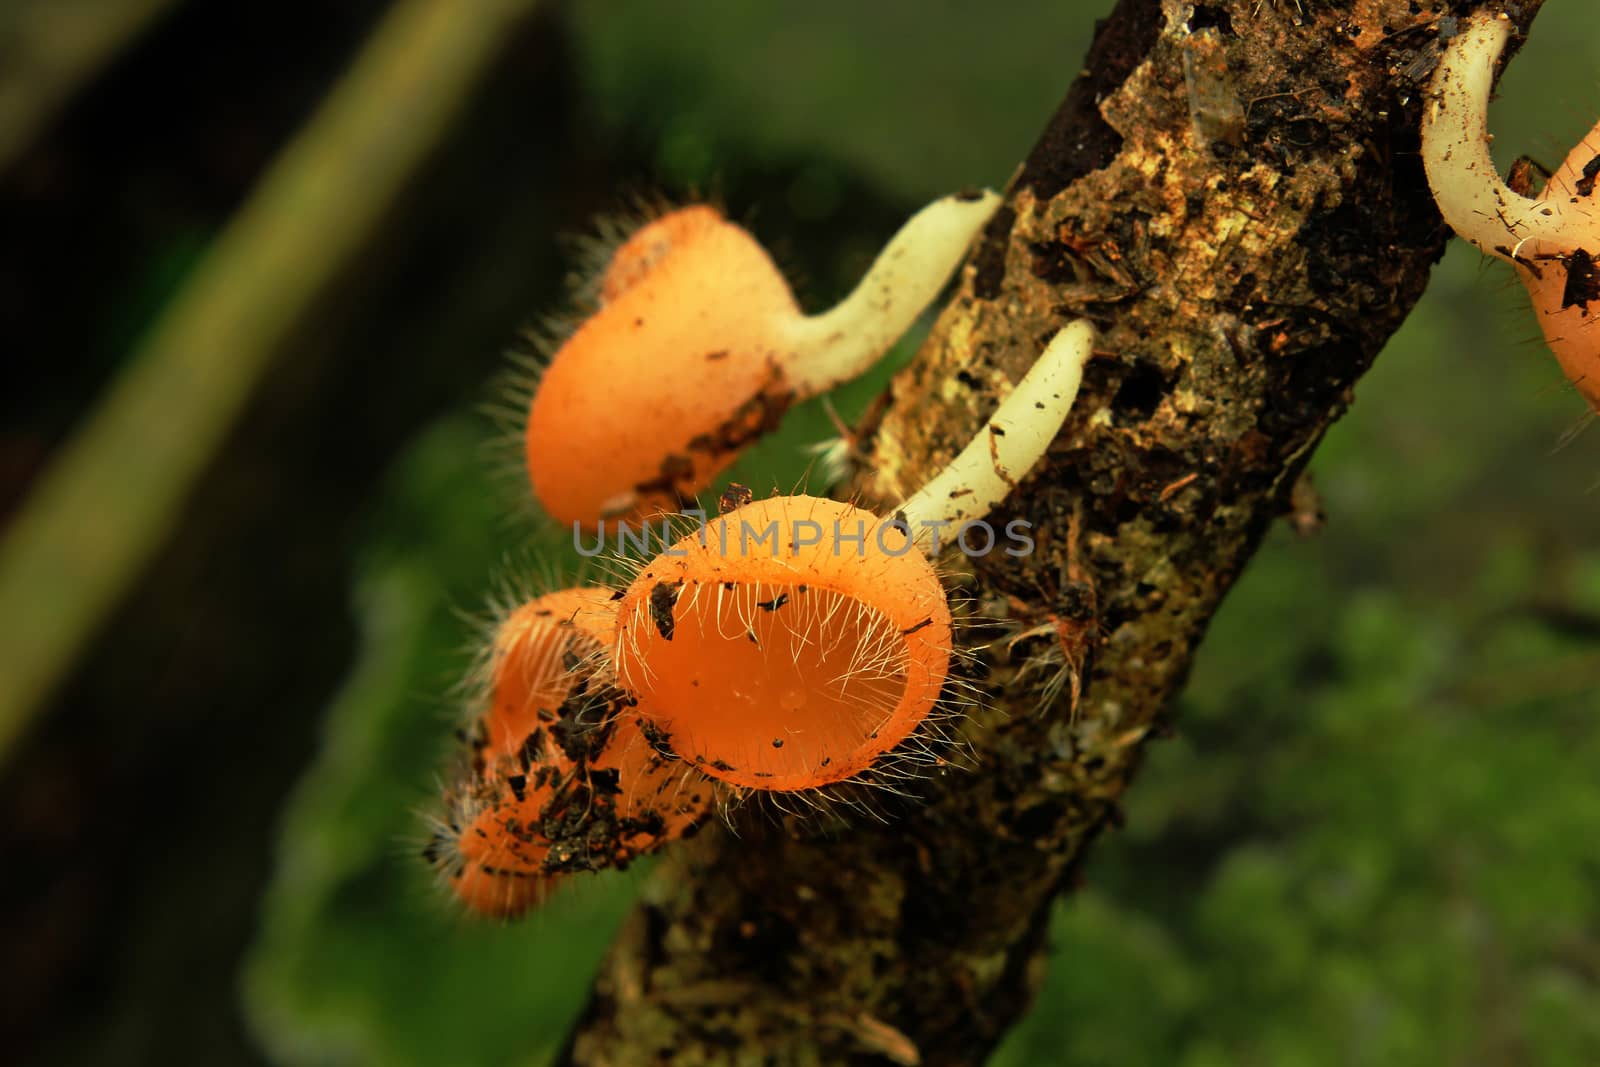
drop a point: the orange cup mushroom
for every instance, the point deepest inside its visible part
(1553, 240)
(790, 670)
(559, 781)
(698, 348)
(798, 642)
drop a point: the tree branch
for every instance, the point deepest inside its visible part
(1234, 196)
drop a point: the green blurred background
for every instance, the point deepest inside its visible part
(1374, 839)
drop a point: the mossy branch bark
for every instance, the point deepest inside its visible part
(1232, 193)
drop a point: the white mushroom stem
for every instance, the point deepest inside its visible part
(820, 351)
(1009, 444)
(1455, 148)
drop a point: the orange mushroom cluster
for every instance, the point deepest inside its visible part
(558, 778)
(794, 644)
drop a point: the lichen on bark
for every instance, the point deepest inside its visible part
(1232, 193)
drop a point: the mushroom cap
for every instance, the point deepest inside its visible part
(497, 892)
(561, 782)
(636, 257)
(679, 368)
(776, 664)
(529, 665)
(1563, 280)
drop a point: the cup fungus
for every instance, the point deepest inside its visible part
(1553, 241)
(698, 347)
(796, 642)
(558, 780)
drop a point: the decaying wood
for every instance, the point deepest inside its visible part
(1232, 193)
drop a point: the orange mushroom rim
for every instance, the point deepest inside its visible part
(555, 775)
(798, 668)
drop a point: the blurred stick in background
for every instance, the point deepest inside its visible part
(49, 49)
(113, 493)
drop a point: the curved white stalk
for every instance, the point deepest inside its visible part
(1010, 443)
(820, 351)
(1473, 199)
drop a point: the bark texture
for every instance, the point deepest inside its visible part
(1232, 193)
